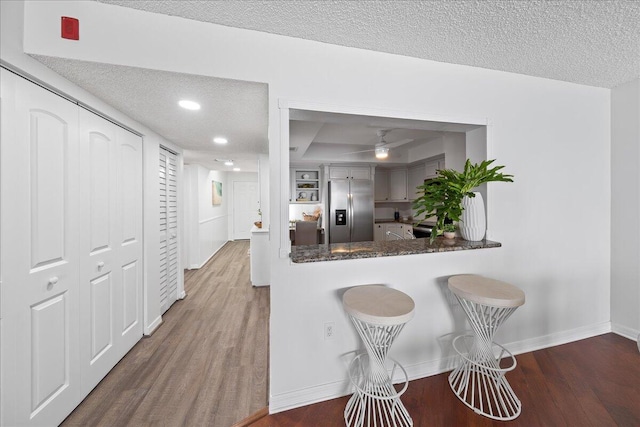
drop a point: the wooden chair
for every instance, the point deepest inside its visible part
(306, 233)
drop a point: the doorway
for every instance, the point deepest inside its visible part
(246, 202)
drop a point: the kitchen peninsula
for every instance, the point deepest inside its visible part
(359, 250)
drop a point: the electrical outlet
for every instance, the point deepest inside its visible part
(329, 330)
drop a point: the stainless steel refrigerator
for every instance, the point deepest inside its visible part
(350, 210)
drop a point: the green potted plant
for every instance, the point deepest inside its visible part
(449, 231)
(443, 196)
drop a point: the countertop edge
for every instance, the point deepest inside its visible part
(255, 229)
(363, 250)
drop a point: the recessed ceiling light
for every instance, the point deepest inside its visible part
(227, 162)
(236, 169)
(189, 105)
(220, 140)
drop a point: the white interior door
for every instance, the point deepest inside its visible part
(168, 229)
(245, 208)
(130, 213)
(110, 245)
(39, 254)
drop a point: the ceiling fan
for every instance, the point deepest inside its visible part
(382, 147)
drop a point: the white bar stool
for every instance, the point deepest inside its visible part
(378, 314)
(479, 381)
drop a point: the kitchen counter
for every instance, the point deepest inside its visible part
(342, 251)
(401, 221)
(389, 221)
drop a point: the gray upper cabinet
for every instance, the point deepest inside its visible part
(349, 172)
(432, 167)
(381, 185)
(415, 177)
(391, 185)
(398, 185)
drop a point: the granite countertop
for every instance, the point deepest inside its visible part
(342, 251)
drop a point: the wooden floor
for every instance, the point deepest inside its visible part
(593, 382)
(205, 366)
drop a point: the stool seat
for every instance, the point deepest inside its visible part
(378, 305)
(485, 291)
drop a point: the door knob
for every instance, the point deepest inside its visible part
(52, 281)
(173, 235)
(100, 265)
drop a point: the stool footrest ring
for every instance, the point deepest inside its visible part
(364, 381)
(485, 353)
(479, 382)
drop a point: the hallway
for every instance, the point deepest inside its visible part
(207, 364)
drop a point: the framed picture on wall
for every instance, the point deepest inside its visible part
(216, 193)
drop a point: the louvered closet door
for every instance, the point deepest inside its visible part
(39, 254)
(168, 229)
(110, 245)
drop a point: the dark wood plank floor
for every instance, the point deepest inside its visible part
(205, 366)
(593, 382)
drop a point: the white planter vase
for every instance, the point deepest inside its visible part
(473, 223)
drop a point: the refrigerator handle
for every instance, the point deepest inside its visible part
(351, 216)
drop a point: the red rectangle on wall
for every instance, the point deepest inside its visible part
(70, 28)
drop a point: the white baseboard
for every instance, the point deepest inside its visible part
(308, 396)
(625, 331)
(197, 267)
(559, 338)
(151, 328)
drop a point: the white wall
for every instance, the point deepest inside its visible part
(476, 152)
(263, 164)
(434, 148)
(387, 210)
(455, 151)
(207, 224)
(11, 53)
(625, 209)
(553, 136)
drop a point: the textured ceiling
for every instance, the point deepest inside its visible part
(595, 43)
(234, 109)
(587, 42)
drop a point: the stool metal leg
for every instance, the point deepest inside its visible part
(479, 381)
(375, 400)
